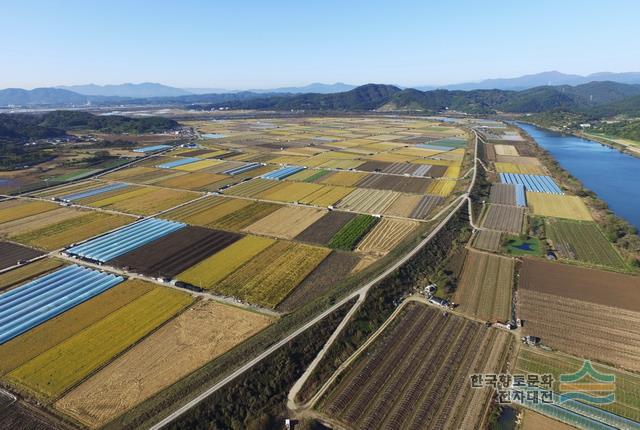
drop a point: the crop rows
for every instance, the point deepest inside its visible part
(287, 222)
(504, 218)
(368, 201)
(348, 236)
(251, 188)
(488, 240)
(386, 235)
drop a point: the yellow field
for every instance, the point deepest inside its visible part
(195, 337)
(125, 194)
(302, 175)
(29, 345)
(436, 162)
(289, 159)
(11, 210)
(560, 206)
(146, 201)
(506, 150)
(286, 223)
(527, 169)
(386, 235)
(34, 222)
(51, 373)
(326, 196)
(347, 179)
(403, 206)
(342, 164)
(441, 188)
(214, 269)
(391, 157)
(72, 230)
(368, 201)
(267, 279)
(198, 165)
(417, 152)
(452, 172)
(191, 181)
(289, 191)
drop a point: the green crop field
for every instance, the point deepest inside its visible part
(348, 236)
(583, 241)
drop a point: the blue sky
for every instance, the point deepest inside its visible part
(263, 44)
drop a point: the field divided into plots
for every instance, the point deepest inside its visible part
(484, 290)
(583, 241)
(416, 374)
(558, 206)
(386, 235)
(504, 218)
(349, 235)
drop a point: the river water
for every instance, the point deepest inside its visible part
(611, 174)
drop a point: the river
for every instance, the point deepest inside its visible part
(611, 174)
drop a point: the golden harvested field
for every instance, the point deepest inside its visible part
(535, 421)
(453, 172)
(192, 181)
(386, 235)
(246, 216)
(195, 337)
(11, 210)
(527, 169)
(484, 290)
(198, 165)
(368, 201)
(290, 191)
(404, 205)
(251, 188)
(148, 202)
(35, 222)
(531, 161)
(391, 157)
(72, 230)
(31, 270)
(303, 175)
(506, 150)
(287, 222)
(559, 206)
(441, 188)
(54, 371)
(269, 277)
(47, 335)
(196, 208)
(214, 269)
(347, 179)
(326, 196)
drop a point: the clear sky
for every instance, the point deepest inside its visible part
(270, 43)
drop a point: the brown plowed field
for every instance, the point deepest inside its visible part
(374, 166)
(490, 152)
(597, 286)
(19, 416)
(436, 171)
(504, 218)
(195, 337)
(395, 183)
(484, 290)
(425, 206)
(10, 254)
(503, 194)
(331, 272)
(585, 329)
(325, 228)
(176, 252)
(416, 374)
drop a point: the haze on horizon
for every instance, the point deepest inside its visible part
(252, 44)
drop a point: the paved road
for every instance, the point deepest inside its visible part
(360, 293)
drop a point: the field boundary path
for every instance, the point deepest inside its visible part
(360, 294)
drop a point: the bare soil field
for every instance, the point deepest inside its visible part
(348, 179)
(20, 416)
(503, 194)
(205, 331)
(374, 166)
(596, 286)
(325, 228)
(287, 222)
(332, 271)
(504, 218)
(386, 235)
(490, 152)
(484, 290)
(426, 205)
(416, 374)
(488, 240)
(176, 252)
(11, 253)
(395, 183)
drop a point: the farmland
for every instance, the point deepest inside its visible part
(600, 324)
(583, 241)
(269, 277)
(23, 273)
(348, 236)
(325, 228)
(145, 201)
(286, 223)
(52, 372)
(527, 169)
(386, 235)
(176, 252)
(504, 218)
(244, 216)
(416, 375)
(11, 210)
(558, 206)
(484, 290)
(441, 188)
(11, 254)
(368, 201)
(488, 240)
(195, 337)
(503, 194)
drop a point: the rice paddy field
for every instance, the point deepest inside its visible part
(558, 206)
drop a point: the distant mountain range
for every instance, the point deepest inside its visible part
(143, 90)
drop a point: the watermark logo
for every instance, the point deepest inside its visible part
(587, 385)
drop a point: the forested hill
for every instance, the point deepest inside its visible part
(57, 123)
(591, 96)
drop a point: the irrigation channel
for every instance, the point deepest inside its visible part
(610, 173)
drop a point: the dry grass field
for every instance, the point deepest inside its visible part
(55, 370)
(251, 188)
(192, 181)
(11, 210)
(287, 222)
(484, 290)
(290, 191)
(195, 337)
(558, 206)
(386, 235)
